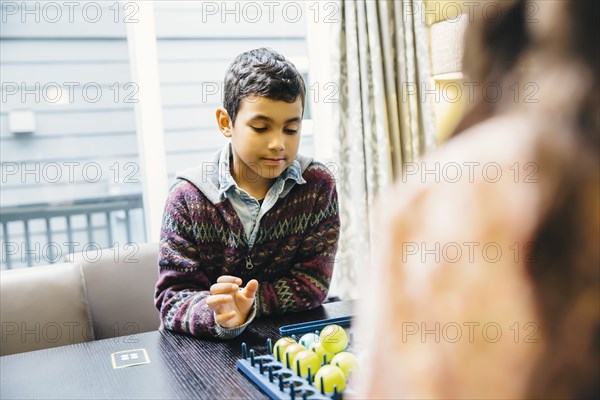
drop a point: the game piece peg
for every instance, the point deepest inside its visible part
(335, 392)
(287, 360)
(292, 392)
(244, 355)
(309, 376)
(270, 373)
(269, 346)
(298, 367)
(281, 382)
(322, 386)
(317, 332)
(294, 338)
(304, 395)
(260, 365)
(252, 357)
(324, 359)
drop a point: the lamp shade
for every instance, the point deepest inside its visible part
(447, 47)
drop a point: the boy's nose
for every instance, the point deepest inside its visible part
(276, 142)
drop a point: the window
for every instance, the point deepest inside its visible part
(71, 174)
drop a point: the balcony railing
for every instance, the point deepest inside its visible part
(44, 233)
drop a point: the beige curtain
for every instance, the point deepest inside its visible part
(379, 58)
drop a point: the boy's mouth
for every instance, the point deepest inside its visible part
(274, 161)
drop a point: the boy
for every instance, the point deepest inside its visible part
(259, 214)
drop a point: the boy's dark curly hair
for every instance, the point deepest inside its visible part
(261, 72)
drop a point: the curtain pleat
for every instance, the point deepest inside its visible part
(383, 119)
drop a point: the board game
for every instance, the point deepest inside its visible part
(311, 360)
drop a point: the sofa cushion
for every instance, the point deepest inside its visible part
(120, 284)
(42, 307)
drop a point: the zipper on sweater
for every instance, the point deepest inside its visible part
(249, 264)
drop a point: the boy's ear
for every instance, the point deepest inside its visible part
(224, 122)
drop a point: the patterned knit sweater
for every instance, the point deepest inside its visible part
(202, 238)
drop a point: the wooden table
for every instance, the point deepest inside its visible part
(180, 366)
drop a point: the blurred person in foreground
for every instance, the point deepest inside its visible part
(486, 284)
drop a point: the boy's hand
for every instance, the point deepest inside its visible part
(230, 303)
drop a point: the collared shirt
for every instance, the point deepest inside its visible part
(249, 209)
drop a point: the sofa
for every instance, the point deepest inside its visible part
(95, 295)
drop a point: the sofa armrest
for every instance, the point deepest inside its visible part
(119, 284)
(43, 307)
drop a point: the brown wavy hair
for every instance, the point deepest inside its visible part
(261, 72)
(496, 51)
(566, 274)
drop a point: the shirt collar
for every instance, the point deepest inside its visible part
(226, 182)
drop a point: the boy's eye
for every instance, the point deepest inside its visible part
(259, 129)
(291, 131)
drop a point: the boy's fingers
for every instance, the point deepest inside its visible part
(225, 317)
(218, 299)
(229, 279)
(251, 288)
(223, 288)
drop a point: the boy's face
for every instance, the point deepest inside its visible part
(265, 138)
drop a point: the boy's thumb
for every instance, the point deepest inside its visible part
(251, 288)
